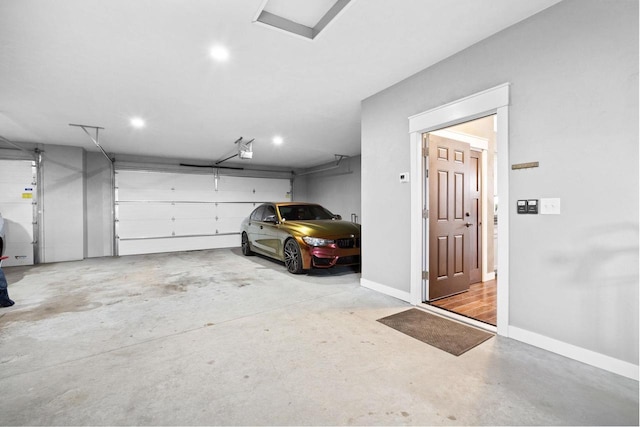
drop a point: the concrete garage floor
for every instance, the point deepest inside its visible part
(213, 337)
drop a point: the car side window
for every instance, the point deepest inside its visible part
(268, 210)
(257, 214)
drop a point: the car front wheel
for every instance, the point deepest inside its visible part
(292, 257)
(246, 249)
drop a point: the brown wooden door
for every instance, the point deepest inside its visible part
(449, 217)
(475, 218)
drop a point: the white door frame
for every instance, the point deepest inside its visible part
(490, 101)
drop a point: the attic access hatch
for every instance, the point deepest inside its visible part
(305, 19)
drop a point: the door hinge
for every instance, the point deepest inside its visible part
(425, 151)
(425, 213)
(425, 275)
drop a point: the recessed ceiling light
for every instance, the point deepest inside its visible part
(219, 53)
(277, 140)
(137, 122)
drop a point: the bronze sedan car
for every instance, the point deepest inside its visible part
(303, 235)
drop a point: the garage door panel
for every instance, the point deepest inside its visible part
(236, 196)
(19, 253)
(20, 214)
(17, 195)
(236, 210)
(164, 186)
(229, 225)
(173, 244)
(142, 211)
(16, 170)
(140, 180)
(275, 190)
(155, 208)
(242, 189)
(18, 234)
(231, 215)
(19, 192)
(195, 210)
(145, 228)
(166, 228)
(166, 195)
(150, 210)
(187, 227)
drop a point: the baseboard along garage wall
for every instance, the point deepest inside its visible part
(387, 290)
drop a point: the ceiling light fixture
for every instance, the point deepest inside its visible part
(137, 122)
(277, 140)
(219, 53)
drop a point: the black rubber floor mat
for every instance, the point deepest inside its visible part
(447, 335)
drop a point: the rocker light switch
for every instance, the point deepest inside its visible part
(550, 206)
(522, 206)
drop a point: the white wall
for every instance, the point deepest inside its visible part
(573, 71)
(336, 188)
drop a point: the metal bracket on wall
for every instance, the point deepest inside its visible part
(339, 158)
(95, 140)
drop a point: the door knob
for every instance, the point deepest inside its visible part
(468, 224)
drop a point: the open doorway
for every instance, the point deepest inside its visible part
(481, 104)
(461, 189)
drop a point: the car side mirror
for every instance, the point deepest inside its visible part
(271, 219)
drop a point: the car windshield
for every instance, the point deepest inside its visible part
(304, 212)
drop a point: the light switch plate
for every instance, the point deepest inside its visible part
(404, 177)
(549, 206)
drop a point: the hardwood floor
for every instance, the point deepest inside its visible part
(479, 302)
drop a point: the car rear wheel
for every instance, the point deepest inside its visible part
(292, 257)
(246, 249)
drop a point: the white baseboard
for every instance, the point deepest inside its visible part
(488, 276)
(571, 351)
(384, 289)
(580, 354)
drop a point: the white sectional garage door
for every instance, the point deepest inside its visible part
(168, 211)
(17, 198)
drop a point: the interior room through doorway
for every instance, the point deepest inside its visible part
(477, 297)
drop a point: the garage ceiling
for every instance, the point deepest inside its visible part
(103, 62)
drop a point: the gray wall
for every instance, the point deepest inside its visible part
(573, 70)
(337, 188)
(99, 202)
(62, 204)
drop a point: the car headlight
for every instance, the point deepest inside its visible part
(316, 241)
